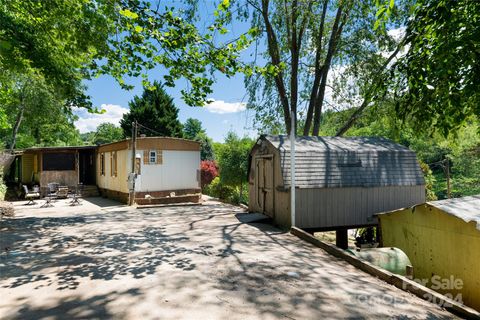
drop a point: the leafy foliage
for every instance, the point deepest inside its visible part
(105, 133)
(35, 114)
(429, 181)
(438, 80)
(155, 112)
(206, 152)
(461, 149)
(192, 128)
(232, 157)
(54, 39)
(209, 171)
(150, 35)
(312, 47)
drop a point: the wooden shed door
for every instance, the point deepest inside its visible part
(265, 185)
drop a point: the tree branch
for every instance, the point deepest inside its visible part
(334, 37)
(318, 72)
(274, 52)
(368, 97)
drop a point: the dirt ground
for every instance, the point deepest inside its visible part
(104, 260)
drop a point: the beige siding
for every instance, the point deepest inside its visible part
(27, 168)
(118, 182)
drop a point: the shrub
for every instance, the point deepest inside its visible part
(209, 171)
(3, 187)
(429, 181)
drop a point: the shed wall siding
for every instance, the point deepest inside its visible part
(336, 207)
(437, 244)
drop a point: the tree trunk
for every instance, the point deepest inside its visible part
(318, 73)
(274, 53)
(334, 36)
(16, 127)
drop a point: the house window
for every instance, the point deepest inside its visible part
(102, 164)
(152, 156)
(58, 161)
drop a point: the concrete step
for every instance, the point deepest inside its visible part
(90, 191)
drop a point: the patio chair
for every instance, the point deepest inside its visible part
(77, 194)
(30, 196)
(48, 196)
(62, 192)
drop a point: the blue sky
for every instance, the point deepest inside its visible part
(228, 112)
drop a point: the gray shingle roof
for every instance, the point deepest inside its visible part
(347, 162)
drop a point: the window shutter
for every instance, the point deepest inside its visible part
(115, 163)
(145, 157)
(111, 164)
(159, 157)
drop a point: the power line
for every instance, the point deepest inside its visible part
(154, 131)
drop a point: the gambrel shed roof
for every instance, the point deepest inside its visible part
(329, 162)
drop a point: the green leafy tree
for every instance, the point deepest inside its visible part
(55, 40)
(106, 133)
(232, 160)
(307, 41)
(155, 112)
(35, 114)
(67, 41)
(151, 34)
(192, 128)
(206, 152)
(438, 79)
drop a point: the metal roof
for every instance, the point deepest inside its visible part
(466, 208)
(326, 162)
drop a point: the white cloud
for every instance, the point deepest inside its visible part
(89, 121)
(220, 106)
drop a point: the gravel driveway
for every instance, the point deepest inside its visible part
(190, 262)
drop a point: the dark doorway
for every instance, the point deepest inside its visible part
(87, 167)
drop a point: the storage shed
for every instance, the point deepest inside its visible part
(340, 182)
(442, 240)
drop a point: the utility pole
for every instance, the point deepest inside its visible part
(134, 154)
(292, 168)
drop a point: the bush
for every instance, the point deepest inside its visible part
(429, 181)
(219, 190)
(3, 187)
(209, 171)
(226, 193)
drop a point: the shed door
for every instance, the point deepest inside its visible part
(265, 185)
